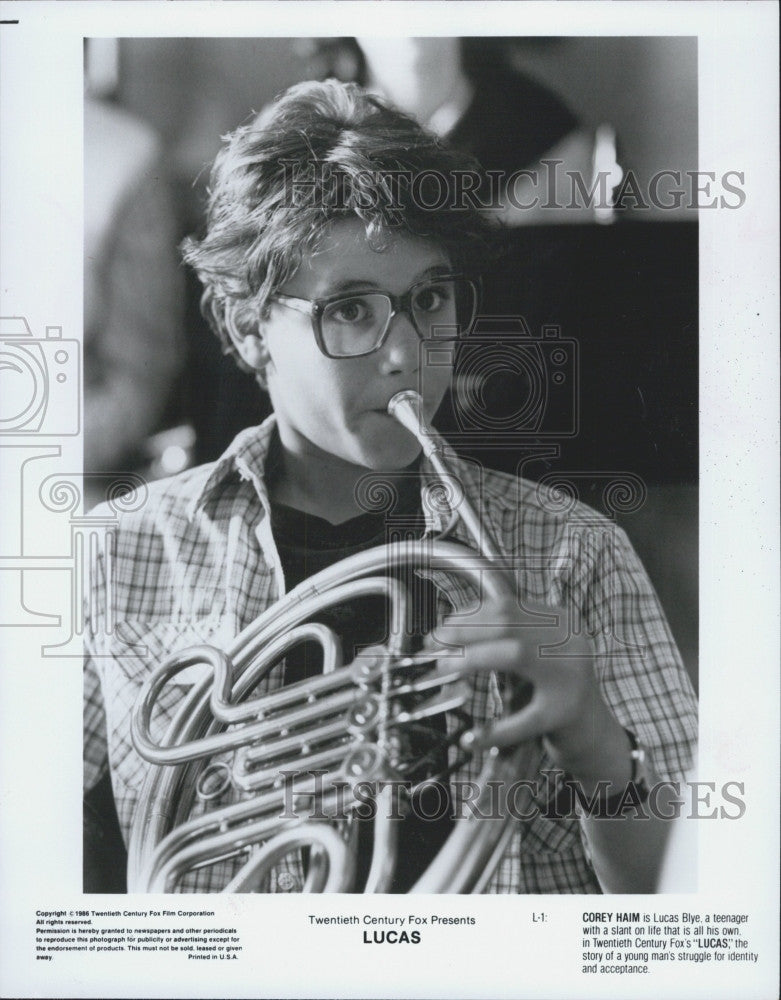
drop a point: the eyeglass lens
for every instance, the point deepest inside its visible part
(356, 324)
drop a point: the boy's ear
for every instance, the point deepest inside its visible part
(252, 350)
(250, 347)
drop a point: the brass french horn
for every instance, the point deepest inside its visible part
(224, 776)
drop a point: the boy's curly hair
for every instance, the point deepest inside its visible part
(324, 151)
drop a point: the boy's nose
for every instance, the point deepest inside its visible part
(401, 351)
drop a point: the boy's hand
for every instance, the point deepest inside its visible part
(566, 707)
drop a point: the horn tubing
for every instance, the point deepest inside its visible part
(407, 408)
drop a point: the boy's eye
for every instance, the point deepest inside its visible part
(350, 311)
(431, 299)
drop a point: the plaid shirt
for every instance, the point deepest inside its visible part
(197, 563)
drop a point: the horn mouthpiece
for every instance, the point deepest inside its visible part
(407, 407)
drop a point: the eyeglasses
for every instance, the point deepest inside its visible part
(350, 326)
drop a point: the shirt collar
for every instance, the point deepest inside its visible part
(248, 455)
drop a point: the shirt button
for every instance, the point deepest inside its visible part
(286, 882)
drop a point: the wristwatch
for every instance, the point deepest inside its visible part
(636, 791)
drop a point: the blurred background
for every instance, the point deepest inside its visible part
(622, 285)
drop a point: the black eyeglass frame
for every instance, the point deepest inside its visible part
(314, 308)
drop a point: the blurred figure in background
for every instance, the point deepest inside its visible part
(133, 288)
(468, 91)
(133, 343)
